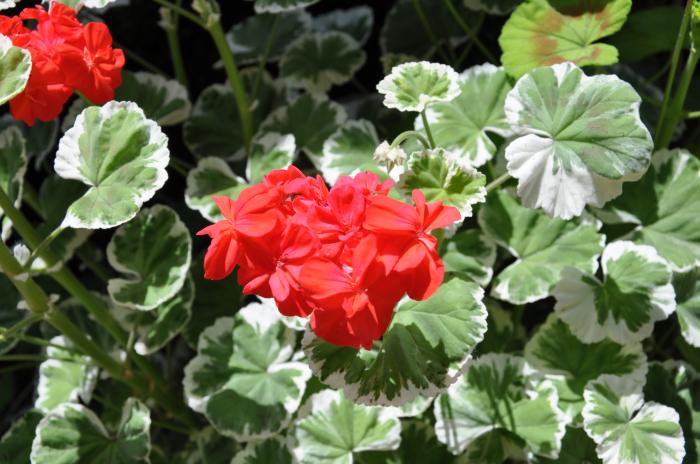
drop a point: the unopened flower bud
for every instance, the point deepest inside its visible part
(390, 156)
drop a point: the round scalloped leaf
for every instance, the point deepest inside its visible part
(414, 86)
(331, 429)
(311, 119)
(494, 7)
(422, 353)
(470, 255)
(628, 430)
(266, 35)
(542, 245)
(163, 100)
(154, 252)
(273, 450)
(10, 314)
(158, 327)
(496, 395)
(214, 127)
(350, 150)
(462, 125)
(635, 292)
(39, 139)
(16, 444)
(665, 205)
(212, 177)
(444, 176)
(555, 350)
(316, 62)
(279, 6)
(65, 377)
(546, 32)
(357, 22)
(269, 152)
(244, 361)
(687, 289)
(13, 166)
(579, 139)
(121, 155)
(73, 434)
(15, 67)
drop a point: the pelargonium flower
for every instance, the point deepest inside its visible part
(344, 256)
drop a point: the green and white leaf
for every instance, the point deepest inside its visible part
(316, 62)
(424, 350)
(687, 289)
(13, 166)
(579, 138)
(311, 119)
(163, 100)
(271, 450)
(664, 205)
(245, 361)
(15, 67)
(207, 446)
(211, 177)
(73, 434)
(156, 328)
(545, 32)
(462, 125)
(628, 430)
(470, 255)
(39, 139)
(543, 246)
(16, 444)
(350, 150)
(332, 429)
(268, 152)
(280, 6)
(154, 253)
(252, 39)
(65, 377)
(493, 7)
(357, 22)
(6, 4)
(414, 86)
(121, 155)
(635, 292)
(496, 394)
(444, 176)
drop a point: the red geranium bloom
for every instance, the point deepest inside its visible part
(61, 17)
(413, 249)
(248, 217)
(354, 303)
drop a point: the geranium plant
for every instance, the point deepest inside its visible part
(277, 231)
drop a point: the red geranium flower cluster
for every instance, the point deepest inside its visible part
(344, 256)
(66, 56)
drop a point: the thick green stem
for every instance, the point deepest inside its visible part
(675, 57)
(675, 109)
(182, 12)
(494, 184)
(403, 136)
(471, 34)
(426, 126)
(235, 81)
(171, 22)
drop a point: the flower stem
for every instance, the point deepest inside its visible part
(471, 34)
(675, 110)
(497, 182)
(426, 126)
(36, 252)
(182, 12)
(172, 23)
(403, 136)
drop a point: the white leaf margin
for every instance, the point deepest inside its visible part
(386, 86)
(5, 47)
(205, 164)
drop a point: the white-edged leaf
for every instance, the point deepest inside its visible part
(268, 152)
(16, 443)
(279, 6)
(578, 139)
(316, 62)
(494, 7)
(350, 150)
(542, 245)
(39, 139)
(65, 377)
(356, 22)
(13, 166)
(121, 155)
(444, 176)
(628, 430)
(413, 86)
(497, 393)
(462, 125)
(422, 352)
(212, 177)
(153, 251)
(272, 450)
(331, 429)
(687, 289)
(470, 255)
(15, 67)
(73, 434)
(163, 100)
(635, 292)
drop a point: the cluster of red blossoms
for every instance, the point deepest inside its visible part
(66, 56)
(344, 256)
